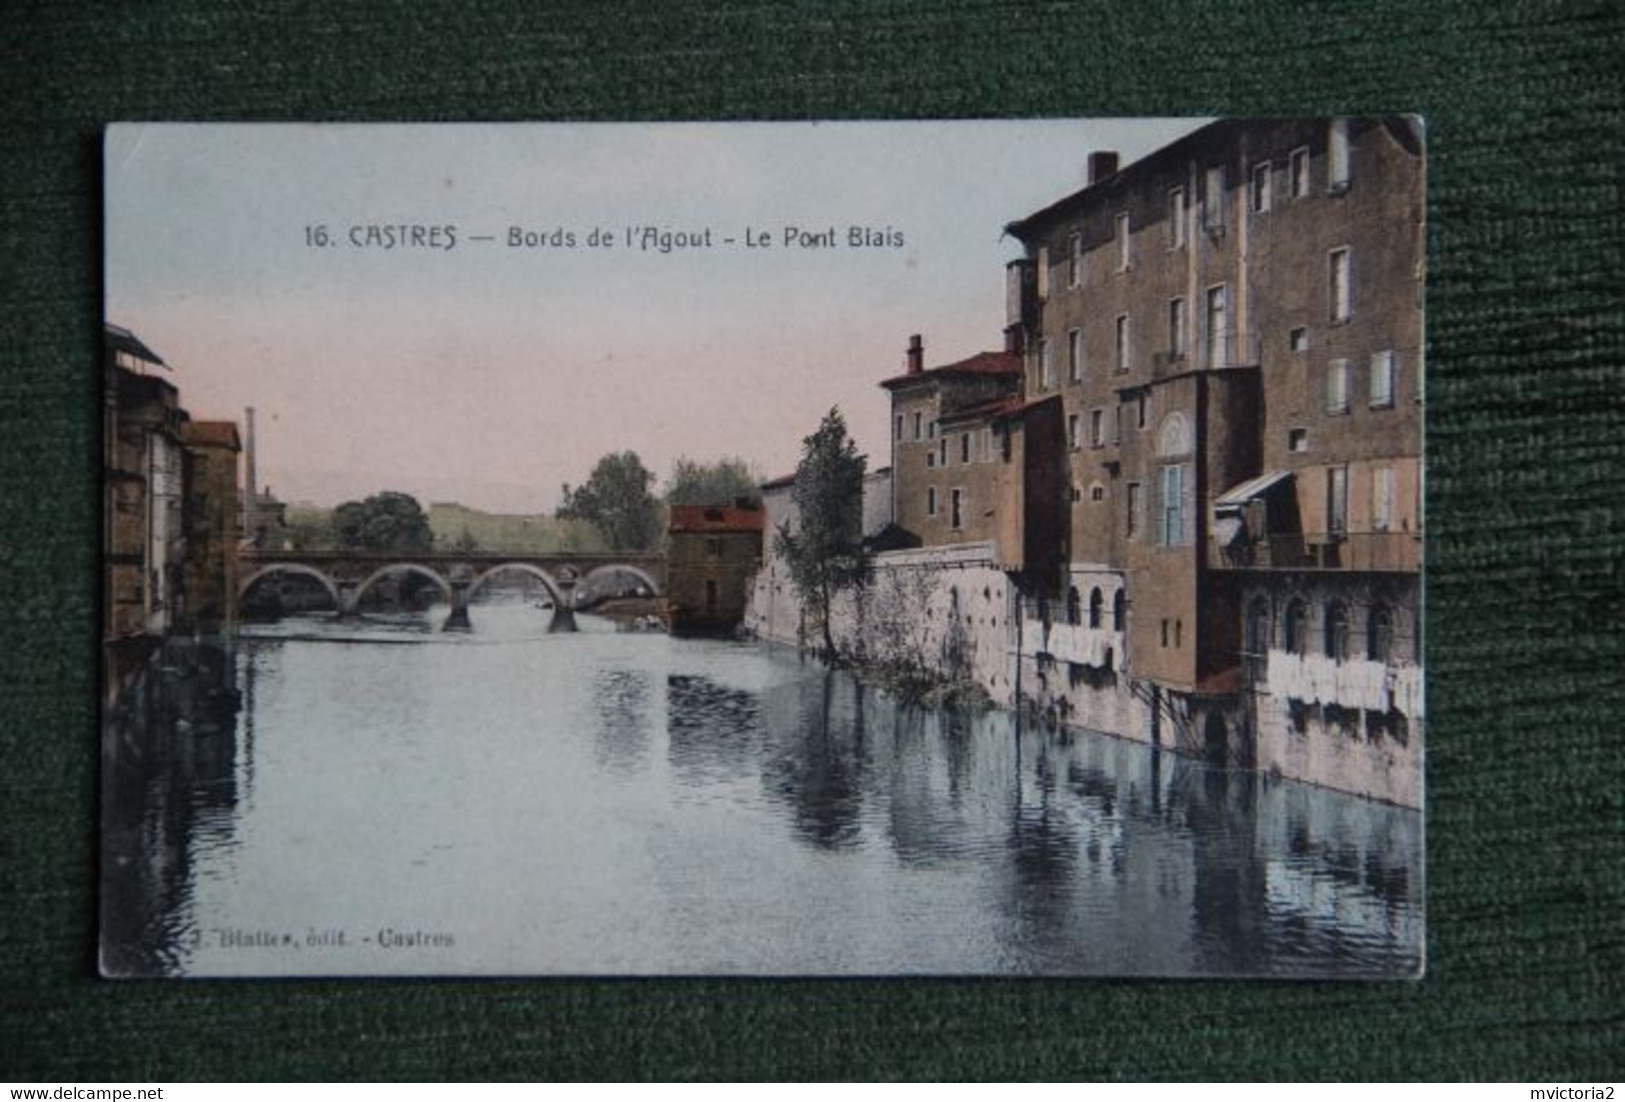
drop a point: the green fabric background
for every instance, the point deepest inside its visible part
(1526, 523)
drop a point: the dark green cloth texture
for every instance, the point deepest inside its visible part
(1525, 502)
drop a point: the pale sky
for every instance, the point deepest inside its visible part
(487, 374)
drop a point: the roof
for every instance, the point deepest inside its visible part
(994, 408)
(716, 518)
(219, 434)
(1247, 491)
(779, 483)
(983, 363)
(120, 339)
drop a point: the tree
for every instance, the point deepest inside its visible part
(825, 551)
(616, 500)
(387, 521)
(719, 483)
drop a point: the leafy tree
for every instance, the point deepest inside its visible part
(616, 500)
(387, 521)
(719, 483)
(825, 552)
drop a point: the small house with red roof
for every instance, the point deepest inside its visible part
(712, 552)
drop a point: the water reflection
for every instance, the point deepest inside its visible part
(608, 803)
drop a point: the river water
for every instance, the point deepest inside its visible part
(377, 797)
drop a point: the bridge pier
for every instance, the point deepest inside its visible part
(349, 599)
(564, 606)
(458, 619)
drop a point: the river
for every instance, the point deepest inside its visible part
(376, 797)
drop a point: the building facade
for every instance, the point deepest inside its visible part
(1233, 326)
(712, 553)
(211, 516)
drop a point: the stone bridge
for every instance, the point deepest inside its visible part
(459, 575)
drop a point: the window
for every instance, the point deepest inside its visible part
(930, 501)
(1337, 156)
(942, 451)
(989, 446)
(1297, 626)
(1042, 272)
(1165, 632)
(1213, 200)
(1074, 355)
(713, 547)
(1072, 430)
(1258, 628)
(1179, 630)
(1142, 411)
(1218, 337)
(931, 459)
(1337, 631)
(1118, 610)
(1046, 370)
(1074, 607)
(1097, 493)
(1258, 194)
(1337, 279)
(1176, 218)
(1382, 499)
(1096, 604)
(1171, 512)
(1117, 424)
(899, 426)
(1176, 328)
(964, 448)
(1337, 500)
(1337, 386)
(917, 425)
(1298, 171)
(1379, 634)
(1123, 351)
(1133, 515)
(1074, 261)
(956, 499)
(931, 430)
(1298, 339)
(1382, 380)
(1297, 440)
(1097, 428)
(1123, 253)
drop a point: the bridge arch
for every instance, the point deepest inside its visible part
(400, 568)
(536, 572)
(636, 571)
(290, 568)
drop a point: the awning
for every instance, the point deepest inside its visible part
(1250, 490)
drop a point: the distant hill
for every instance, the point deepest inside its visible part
(455, 525)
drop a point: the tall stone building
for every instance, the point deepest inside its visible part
(1238, 318)
(1204, 478)
(212, 523)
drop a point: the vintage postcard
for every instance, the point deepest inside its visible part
(978, 548)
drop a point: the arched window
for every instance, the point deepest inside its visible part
(1379, 635)
(1258, 627)
(1297, 626)
(1074, 607)
(1096, 602)
(1337, 631)
(1118, 610)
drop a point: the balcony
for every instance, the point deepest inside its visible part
(1382, 551)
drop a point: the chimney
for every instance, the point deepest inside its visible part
(250, 521)
(1102, 163)
(916, 355)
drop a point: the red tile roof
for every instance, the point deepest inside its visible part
(220, 434)
(716, 518)
(983, 363)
